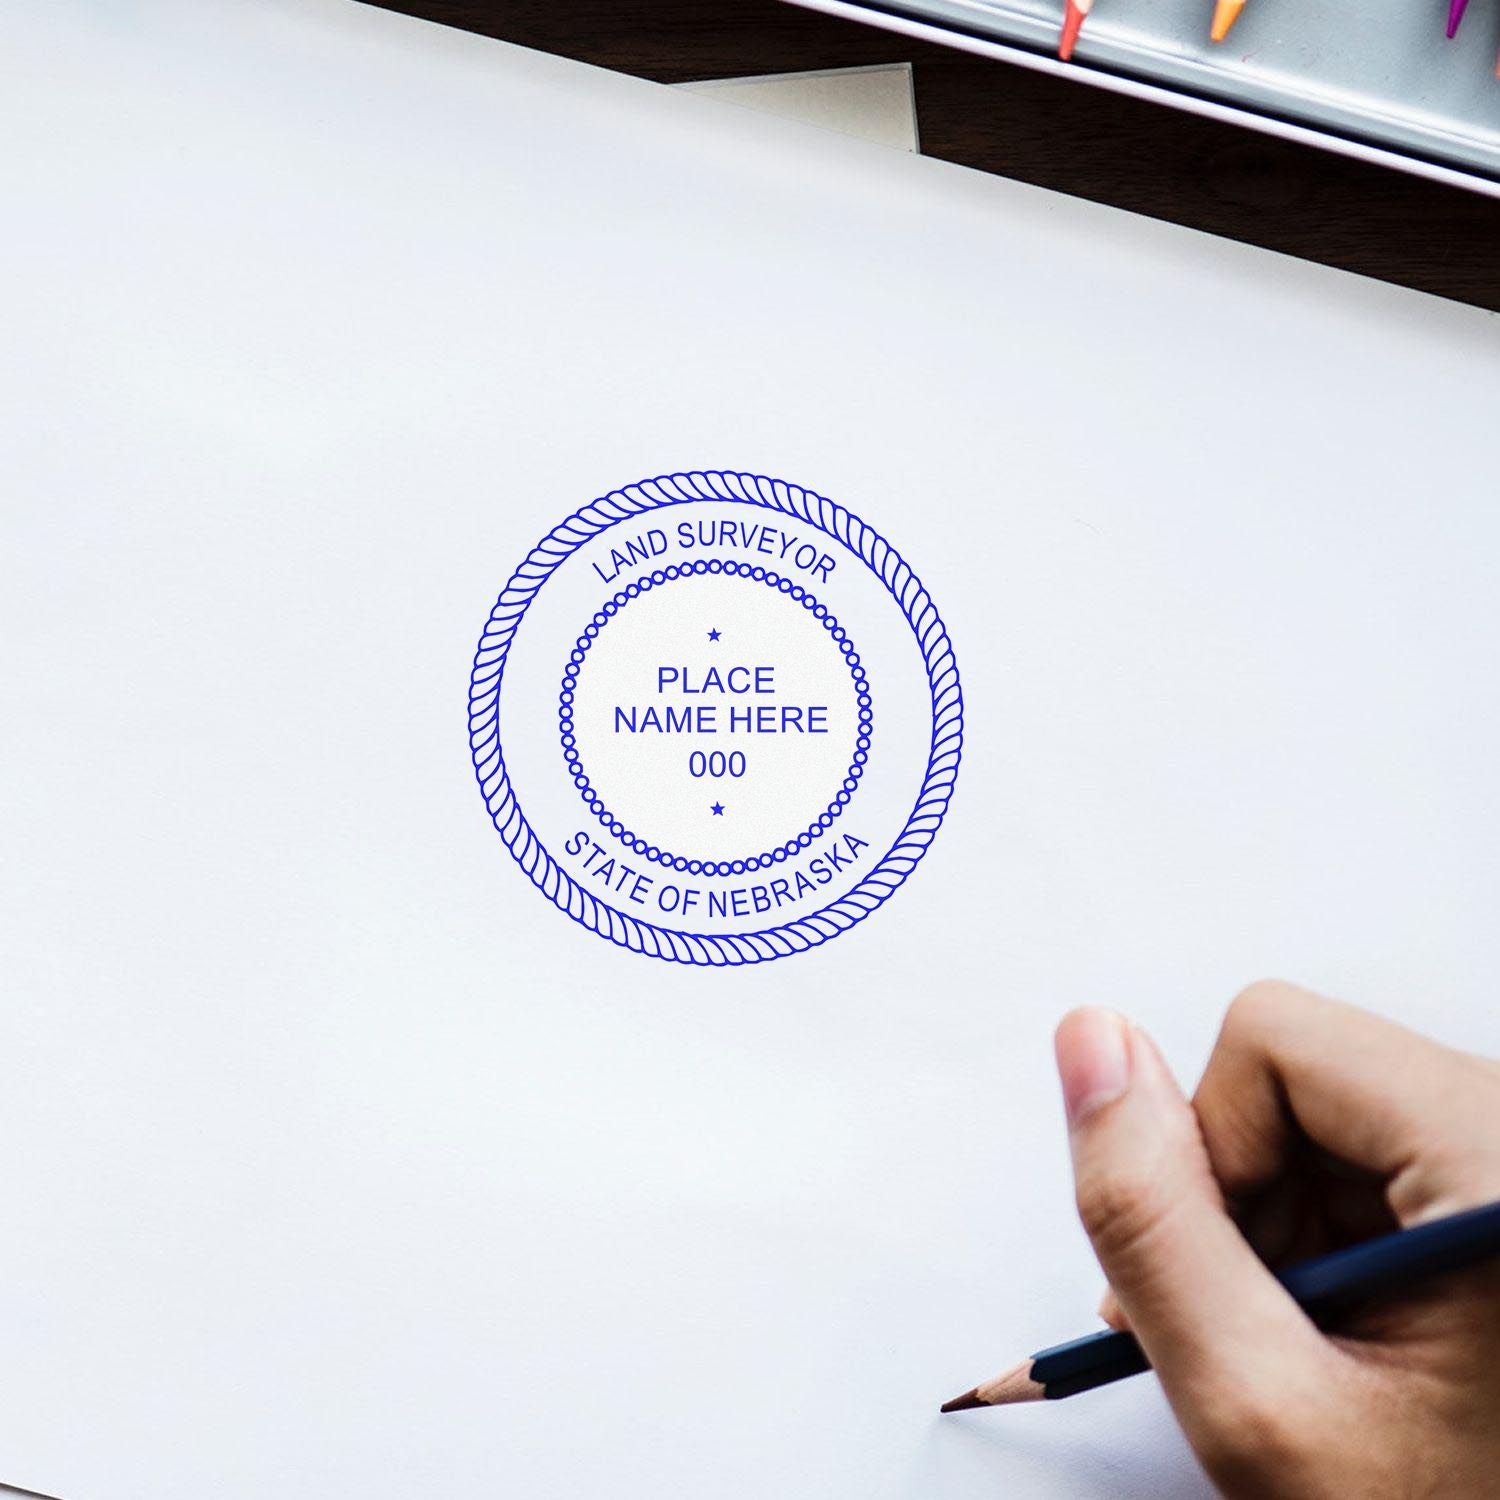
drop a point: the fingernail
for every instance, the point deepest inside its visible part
(1093, 1061)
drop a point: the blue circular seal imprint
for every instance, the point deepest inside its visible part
(709, 867)
(706, 948)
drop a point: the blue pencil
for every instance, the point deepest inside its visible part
(1326, 1289)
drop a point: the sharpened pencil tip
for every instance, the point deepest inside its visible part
(1014, 1385)
(967, 1402)
(1072, 24)
(1226, 13)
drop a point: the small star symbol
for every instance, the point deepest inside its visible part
(717, 809)
(713, 635)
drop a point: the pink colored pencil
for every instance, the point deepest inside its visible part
(1072, 21)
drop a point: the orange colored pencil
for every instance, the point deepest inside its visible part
(1226, 13)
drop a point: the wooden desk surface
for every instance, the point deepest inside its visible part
(1050, 131)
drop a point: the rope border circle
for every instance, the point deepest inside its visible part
(716, 949)
(714, 868)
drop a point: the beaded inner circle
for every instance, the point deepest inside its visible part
(591, 797)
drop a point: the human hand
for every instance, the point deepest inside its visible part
(1315, 1125)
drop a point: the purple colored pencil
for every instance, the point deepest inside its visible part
(1455, 15)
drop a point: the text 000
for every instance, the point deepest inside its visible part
(716, 763)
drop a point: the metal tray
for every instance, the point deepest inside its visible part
(1377, 78)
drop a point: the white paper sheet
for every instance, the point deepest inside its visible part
(874, 103)
(338, 1160)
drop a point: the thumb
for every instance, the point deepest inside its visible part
(1212, 1319)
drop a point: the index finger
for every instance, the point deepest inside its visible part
(1420, 1116)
